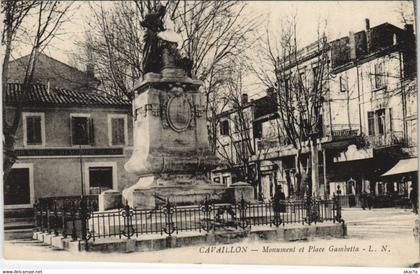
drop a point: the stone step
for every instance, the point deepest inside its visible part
(18, 220)
(21, 233)
(18, 225)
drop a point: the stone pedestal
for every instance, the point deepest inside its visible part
(109, 199)
(171, 151)
(240, 190)
(179, 189)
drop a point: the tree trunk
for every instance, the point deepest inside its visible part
(9, 157)
(298, 174)
(314, 168)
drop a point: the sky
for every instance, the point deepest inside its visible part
(341, 17)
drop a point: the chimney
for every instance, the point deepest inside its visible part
(409, 29)
(244, 98)
(270, 92)
(352, 44)
(367, 24)
(368, 36)
(90, 70)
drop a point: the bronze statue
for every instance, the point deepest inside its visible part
(160, 46)
(152, 54)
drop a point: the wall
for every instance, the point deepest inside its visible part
(57, 124)
(61, 175)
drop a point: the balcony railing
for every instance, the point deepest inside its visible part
(390, 139)
(268, 143)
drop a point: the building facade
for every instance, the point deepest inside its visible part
(368, 119)
(68, 143)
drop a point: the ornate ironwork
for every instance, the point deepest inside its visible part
(206, 207)
(71, 216)
(243, 206)
(127, 214)
(168, 211)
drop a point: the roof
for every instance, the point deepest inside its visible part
(403, 166)
(25, 58)
(49, 69)
(41, 95)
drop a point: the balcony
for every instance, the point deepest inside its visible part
(268, 143)
(343, 131)
(390, 139)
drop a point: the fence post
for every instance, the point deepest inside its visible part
(309, 207)
(48, 218)
(55, 223)
(63, 219)
(36, 215)
(206, 208)
(243, 205)
(83, 216)
(168, 211)
(127, 214)
(73, 218)
(338, 208)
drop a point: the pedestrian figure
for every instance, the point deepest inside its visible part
(338, 190)
(278, 205)
(369, 200)
(364, 198)
(414, 199)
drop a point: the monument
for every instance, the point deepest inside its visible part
(171, 152)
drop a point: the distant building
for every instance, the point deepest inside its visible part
(54, 74)
(369, 120)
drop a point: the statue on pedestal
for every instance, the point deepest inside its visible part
(171, 152)
(160, 45)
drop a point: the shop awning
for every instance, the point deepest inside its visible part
(403, 166)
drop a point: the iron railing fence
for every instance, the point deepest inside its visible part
(64, 215)
(81, 221)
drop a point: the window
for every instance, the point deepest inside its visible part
(371, 123)
(302, 81)
(216, 180)
(18, 186)
(315, 71)
(82, 129)
(380, 116)
(379, 75)
(100, 179)
(225, 180)
(117, 129)
(224, 127)
(286, 83)
(257, 130)
(241, 150)
(100, 176)
(33, 129)
(344, 85)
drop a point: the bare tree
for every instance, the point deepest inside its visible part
(246, 159)
(47, 17)
(300, 95)
(214, 34)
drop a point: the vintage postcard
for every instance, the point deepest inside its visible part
(217, 132)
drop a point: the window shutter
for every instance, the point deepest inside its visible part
(73, 137)
(113, 131)
(371, 123)
(91, 132)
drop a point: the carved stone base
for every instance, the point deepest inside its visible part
(151, 191)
